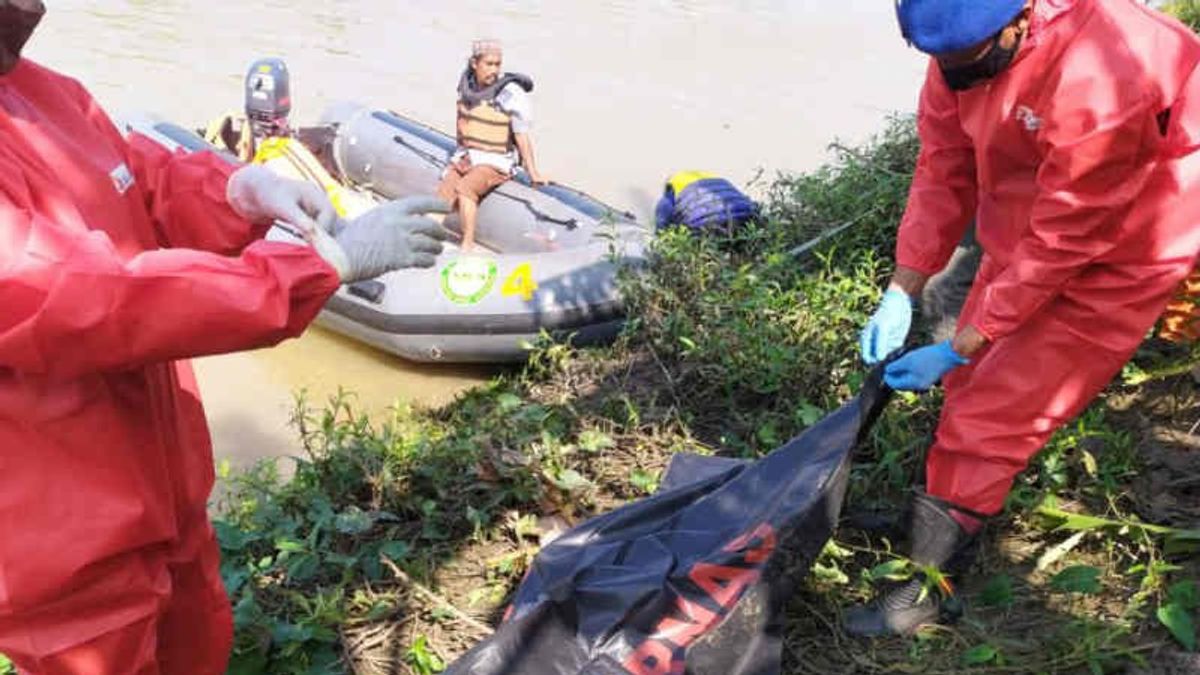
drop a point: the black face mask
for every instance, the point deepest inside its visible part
(991, 64)
(18, 19)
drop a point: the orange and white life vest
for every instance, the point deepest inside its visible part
(482, 125)
(485, 127)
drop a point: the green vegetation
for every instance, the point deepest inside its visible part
(396, 543)
(1187, 11)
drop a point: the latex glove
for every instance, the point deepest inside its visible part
(389, 237)
(888, 327)
(920, 369)
(261, 196)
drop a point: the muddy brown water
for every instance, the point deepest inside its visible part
(627, 92)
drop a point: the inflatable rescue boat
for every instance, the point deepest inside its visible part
(550, 264)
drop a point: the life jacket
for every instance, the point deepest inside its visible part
(482, 125)
(703, 201)
(285, 156)
(288, 157)
(485, 127)
(232, 132)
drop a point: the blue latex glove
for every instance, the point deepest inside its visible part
(888, 327)
(920, 369)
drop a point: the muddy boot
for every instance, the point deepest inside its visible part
(940, 536)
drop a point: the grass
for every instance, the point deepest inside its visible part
(396, 544)
(1187, 11)
(397, 541)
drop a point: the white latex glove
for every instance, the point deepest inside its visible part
(389, 237)
(261, 196)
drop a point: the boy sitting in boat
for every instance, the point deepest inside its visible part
(494, 121)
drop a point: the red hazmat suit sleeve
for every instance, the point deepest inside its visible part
(942, 199)
(1094, 169)
(185, 192)
(185, 195)
(72, 305)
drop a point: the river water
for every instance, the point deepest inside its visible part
(627, 92)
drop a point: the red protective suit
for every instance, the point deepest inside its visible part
(1079, 165)
(107, 562)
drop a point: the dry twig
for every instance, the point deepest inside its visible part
(436, 600)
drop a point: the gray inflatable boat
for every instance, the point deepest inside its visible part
(551, 262)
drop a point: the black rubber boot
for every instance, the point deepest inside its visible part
(937, 539)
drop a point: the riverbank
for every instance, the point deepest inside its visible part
(397, 543)
(690, 84)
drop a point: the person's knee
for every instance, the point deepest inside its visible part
(466, 194)
(447, 191)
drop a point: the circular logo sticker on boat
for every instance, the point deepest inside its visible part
(467, 281)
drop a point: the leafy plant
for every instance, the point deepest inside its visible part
(1082, 579)
(1178, 613)
(422, 659)
(1187, 11)
(998, 592)
(644, 481)
(892, 570)
(732, 346)
(982, 655)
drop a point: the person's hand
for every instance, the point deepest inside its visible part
(888, 327)
(537, 178)
(389, 237)
(261, 196)
(920, 369)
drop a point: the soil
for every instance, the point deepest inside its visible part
(471, 592)
(1163, 418)
(467, 596)
(1166, 416)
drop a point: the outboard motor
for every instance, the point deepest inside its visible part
(268, 97)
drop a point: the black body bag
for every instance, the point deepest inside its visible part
(692, 580)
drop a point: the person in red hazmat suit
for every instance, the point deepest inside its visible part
(118, 259)
(1068, 130)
